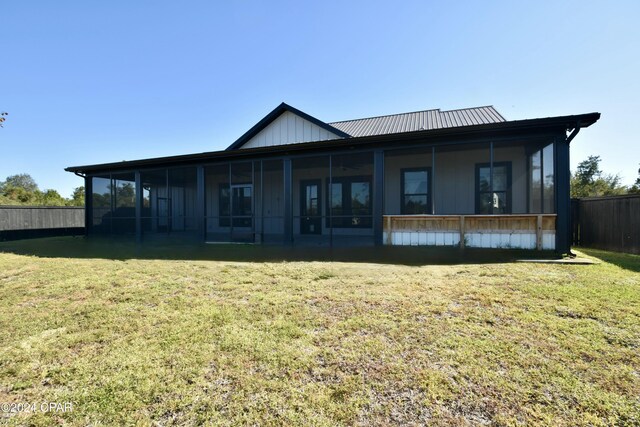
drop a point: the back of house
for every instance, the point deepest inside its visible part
(465, 177)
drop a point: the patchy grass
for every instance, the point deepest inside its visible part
(130, 338)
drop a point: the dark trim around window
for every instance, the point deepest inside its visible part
(347, 219)
(429, 207)
(507, 191)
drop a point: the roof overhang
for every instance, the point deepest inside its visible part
(457, 135)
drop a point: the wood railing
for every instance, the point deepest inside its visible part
(464, 225)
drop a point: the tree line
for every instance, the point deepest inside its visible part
(590, 181)
(23, 190)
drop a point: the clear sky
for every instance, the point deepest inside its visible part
(99, 81)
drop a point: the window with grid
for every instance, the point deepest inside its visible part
(415, 194)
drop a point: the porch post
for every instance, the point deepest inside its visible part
(200, 205)
(288, 207)
(138, 207)
(563, 197)
(329, 199)
(230, 203)
(169, 198)
(88, 205)
(253, 201)
(261, 202)
(378, 196)
(112, 203)
(491, 172)
(433, 180)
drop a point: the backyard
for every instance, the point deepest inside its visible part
(164, 335)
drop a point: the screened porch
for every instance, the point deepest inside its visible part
(495, 194)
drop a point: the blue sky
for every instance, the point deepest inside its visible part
(92, 82)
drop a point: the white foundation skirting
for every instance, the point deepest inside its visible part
(472, 240)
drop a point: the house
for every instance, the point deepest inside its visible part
(465, 177)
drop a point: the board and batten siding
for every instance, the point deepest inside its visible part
(455, 178)
(289, 128)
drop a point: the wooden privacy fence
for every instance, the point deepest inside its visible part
(20, 222)
(611, 223)
(480, 231)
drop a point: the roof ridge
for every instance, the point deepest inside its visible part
(471, 108)
(385, 115)
(420, 111)
(480, 106)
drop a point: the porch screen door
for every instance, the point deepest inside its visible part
(164, 205)
(241, 205)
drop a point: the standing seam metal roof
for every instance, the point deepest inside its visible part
(419, 120)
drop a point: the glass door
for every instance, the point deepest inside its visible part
(310, 219)
(241, 205)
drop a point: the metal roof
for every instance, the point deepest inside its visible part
(419, 120)
(459, 135)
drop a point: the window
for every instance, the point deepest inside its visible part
(237, 206)
(496, 200)
(535, 182)
(548, 178)
(415, 192)
(101, 204)
(350, 205)
(542, 181)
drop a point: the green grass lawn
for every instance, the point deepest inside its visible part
(165, 336)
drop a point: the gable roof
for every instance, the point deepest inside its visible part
(383, 125)
(273, 115)
(419, 120)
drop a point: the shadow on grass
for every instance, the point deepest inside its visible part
(121, 249)
(627, 261)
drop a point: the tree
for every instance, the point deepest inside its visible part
(635, 188)
(77, 199)
(22, 189)
(590, 181)
(588, 170)
(50, 198)
(22, 180)
(125, 195)
(20, 195)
